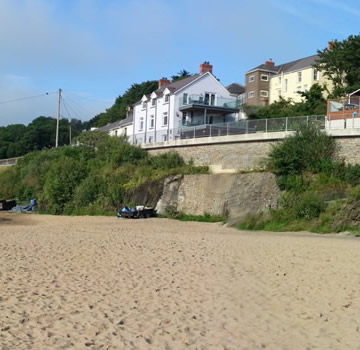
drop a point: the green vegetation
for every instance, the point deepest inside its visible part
(17, 140)
(98, 176)
(200, 218)
(321, 192)
(313, 104)
(340, 64)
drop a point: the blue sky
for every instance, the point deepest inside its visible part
(95, 49)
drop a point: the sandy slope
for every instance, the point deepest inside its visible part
(105, 283)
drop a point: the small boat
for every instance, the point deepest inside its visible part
(137, 212)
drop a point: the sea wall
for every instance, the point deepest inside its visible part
(231, 195)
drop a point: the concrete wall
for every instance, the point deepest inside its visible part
(231, 195)
(245, 152)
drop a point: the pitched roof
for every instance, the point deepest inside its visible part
(288, 67)
(236, 89)
(176, 85)
(115, 125)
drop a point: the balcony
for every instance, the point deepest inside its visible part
(210, 102)
(345, 108)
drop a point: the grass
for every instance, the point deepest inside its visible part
(4, 167)
(199, 218)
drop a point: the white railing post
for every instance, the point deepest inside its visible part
(227, 129)
(286, 124)
(353, 115)
(266, 125)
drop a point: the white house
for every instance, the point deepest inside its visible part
(121, 128)
(199, 100)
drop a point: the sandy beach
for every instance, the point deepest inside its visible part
(107, 283)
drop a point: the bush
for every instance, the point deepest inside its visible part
(308, 206)
(304, 151)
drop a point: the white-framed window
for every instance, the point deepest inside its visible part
(184, 118)
(153, 102)
(286, 84)
(299, 75)
(251, 78)
(251, 94)
(316, 74)
(264, 77)
(141, 123)
(185, 99)
(164, 137)
(264, 93)
(165, 118)
(144, 105)
(152, 121)
(166, 98)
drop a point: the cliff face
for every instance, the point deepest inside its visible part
(231, 195)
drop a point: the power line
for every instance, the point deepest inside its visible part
(28, 98)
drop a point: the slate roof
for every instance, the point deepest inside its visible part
(115, 125)
(176, 85)
(288, 67)
(236, 89)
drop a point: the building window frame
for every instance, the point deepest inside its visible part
(264, 93)
(144, 104)
(152, 121)
(316, 75)
(153, 102)
(264, 77)
(165, 119)
(251, 94)
(299, 77)
(166, 98)
(141, 127)
(251, 78)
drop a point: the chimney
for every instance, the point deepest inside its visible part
(331, 44)
(206, 67)
(270, 62)
(163, 82)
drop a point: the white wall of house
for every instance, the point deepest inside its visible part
(162, 128)
(126, 130)
(286, 85)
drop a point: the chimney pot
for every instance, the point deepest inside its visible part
(270, 62)
(206, 67)
(163, 82)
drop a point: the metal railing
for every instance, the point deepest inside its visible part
(9, 161)
(240, 127)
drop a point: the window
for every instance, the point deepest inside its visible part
(316, 74)
(153, 102)
(264, 77)
(165, 118)
(251, 78)
(185, 97)
(125, 132)
(141, 123)
(164, 137)
(251, 94)
(144, 104)
(116, 133)
(209, 99)
(184, 118)
(286, 84)
(299, 77)
(264, 93)
(166, 98)
(152, 122)
(151, 139)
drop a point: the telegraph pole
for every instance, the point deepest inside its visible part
(58, 120)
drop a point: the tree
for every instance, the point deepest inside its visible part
(340, 64)
(181, 75)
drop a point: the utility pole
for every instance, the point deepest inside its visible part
(58, 120)
(70, 131)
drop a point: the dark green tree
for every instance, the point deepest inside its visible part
(181, 75)
(340, 64)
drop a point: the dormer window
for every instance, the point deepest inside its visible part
(144, 104)
(166, 98)
(153, 102)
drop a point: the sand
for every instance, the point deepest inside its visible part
(107, 283)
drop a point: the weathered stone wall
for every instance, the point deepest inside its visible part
(250, 154)
(231, 195)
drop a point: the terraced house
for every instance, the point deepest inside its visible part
(198, 100)
(267, 82)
